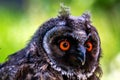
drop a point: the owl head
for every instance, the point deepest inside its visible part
(71, 45)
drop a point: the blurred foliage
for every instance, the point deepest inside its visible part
(19, 19)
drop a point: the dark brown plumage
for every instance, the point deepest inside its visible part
(63, 48)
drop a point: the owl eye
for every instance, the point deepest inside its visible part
(89, 46)
(64, 45)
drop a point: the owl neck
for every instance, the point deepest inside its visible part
(70, 74)
(87, 75)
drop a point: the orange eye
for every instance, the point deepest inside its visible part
(64, 45)
(89, 46)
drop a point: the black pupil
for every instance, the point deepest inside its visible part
(65, 44)
(88, 46)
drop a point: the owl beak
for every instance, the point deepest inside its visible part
(81, 54)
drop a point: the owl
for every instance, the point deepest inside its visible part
(63, 48)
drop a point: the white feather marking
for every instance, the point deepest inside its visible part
(62, 23)
(84, 76)
(91, 73)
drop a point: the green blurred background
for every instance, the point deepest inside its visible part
(19, 19)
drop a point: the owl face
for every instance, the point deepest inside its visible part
(72, 46)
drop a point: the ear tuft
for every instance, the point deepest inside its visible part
(86, 16)
(64, 11)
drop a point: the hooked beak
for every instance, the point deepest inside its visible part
(81, 54)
